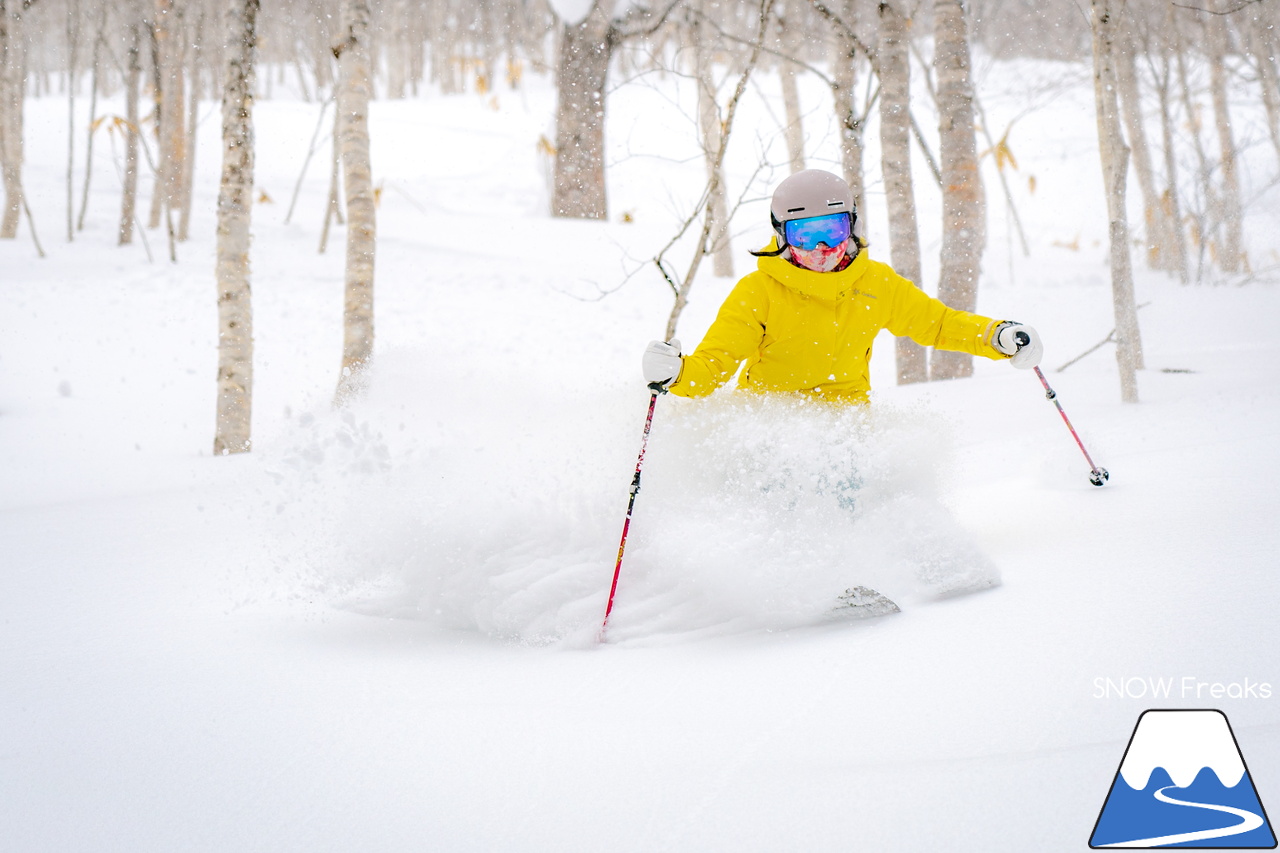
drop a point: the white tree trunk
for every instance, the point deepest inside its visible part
(711, 132)
(12, 92)
(963, 216)
(133, 76)
(1203, 223)
(73, 72)
(578, 184)
(1262, 41)
(171, 124)
(1171, 199)
(1231, 248)
(792, 40)
(94, 84)
(893, 61)
(187, 175)
(844, 58)
(1159, 250)
(1115, 159)
(355, 89)
(235, 206)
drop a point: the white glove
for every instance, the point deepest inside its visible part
(1021, 343)
(662, 363)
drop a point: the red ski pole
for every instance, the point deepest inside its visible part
(1097, 475)
(626, 525)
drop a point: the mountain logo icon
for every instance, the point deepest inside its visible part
(1183, 783)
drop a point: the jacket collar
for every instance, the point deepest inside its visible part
(827, 286)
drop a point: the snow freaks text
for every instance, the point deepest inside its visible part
(1184, 687)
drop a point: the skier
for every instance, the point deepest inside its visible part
(806, 319)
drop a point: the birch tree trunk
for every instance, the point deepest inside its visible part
(792, 40)
(355, 89)
(12, 92)
(1203, 219)
(235, 206)
(578, 185)
(1261, 35)
(844, 57)
(172, 109)
(711, 131)
(1170, 200)
(1159, 251)
(73, 71)
(1231, 249)
(187, 175)
(963, 217)
(893, 61)
(133, 76)
(94, 85)
(1115, 159)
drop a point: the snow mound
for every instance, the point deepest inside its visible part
(755, 514)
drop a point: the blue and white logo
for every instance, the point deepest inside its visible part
(1183, 783)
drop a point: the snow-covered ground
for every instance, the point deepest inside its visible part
(375, 632)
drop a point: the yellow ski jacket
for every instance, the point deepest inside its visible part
(811, 332)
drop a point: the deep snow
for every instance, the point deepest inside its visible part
(375, 631)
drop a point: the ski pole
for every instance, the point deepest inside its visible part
(1097, 475)
(635, 490)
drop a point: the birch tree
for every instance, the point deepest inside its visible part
(963, 217)
(1230, 254)
(711, 130)
(355, 89)
(893, 64)
(791, 39)
(844, 60)
(1159, 248)
(132, 79)
(586, 46)
(171, 112)
(12, 92)
(235, 205)
(1115, 168)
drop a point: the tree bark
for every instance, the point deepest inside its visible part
(133, 76)
(1171, 200)
(232, 433)
(94, 85)
(73, 71)
(1230, 252)
(355, 89)
(893, 62)
(1159, 251)
(1115, 158)
(578, 184)
(844, 57)
(792, 41)
(711, 131)
(172, 109)
(963, 216)
(1261, 40)
(187, 176)
(13, 62)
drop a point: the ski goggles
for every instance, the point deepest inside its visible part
(832, 229)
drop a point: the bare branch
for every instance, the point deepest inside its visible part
(1242, 6)
(620, 34)
(845, 29)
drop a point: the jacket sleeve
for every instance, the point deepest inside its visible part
(929, 322)
(734, 336)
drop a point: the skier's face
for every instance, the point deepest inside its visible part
(822, 258)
